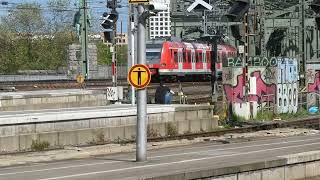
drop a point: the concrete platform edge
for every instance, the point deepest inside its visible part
(307, 162)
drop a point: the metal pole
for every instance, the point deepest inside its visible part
(131, 47)
(133, 51)
(141, 141)
(246, 54)
(84, 40)
(114, 50)
(303, 47)
(213, 70)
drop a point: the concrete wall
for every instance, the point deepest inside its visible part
(290, 172)
(273, 86)
(63, 131)
(292, 167)
(17, 101)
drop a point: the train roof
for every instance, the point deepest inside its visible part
(187, 45)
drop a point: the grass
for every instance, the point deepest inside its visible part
(264, 116)
(152, 133)
(172, 129)
(300, 113)
(38, 145)
(268, 116)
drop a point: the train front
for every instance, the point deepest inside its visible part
(153, 56)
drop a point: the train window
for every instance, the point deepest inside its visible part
(204, 57)
(199, 57)
(208, 56)
(219, 58)
(175, 56)
(184, 52)
(189, 56)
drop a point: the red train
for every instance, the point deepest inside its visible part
(177, 60)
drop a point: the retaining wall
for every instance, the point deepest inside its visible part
(34, 100)
(302, 166)
(95, 126)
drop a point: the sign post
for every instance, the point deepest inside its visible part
(139, 76)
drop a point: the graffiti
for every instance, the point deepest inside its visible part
(235, 93)
(310, 75)
(252, 61)
(263, 61)
(314, 86)
(269, 74)
(227, 75)
(233, 62)
(112, 93)
(271, 80)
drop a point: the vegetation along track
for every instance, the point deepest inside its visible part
(311, 122)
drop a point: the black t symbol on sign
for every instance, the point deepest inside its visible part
(139, 72)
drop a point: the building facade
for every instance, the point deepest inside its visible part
(160, 25)
(121, 40)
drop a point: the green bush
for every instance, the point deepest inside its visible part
(264, 116)
(236, 118)
(38, 145)
(152, 132)
(171, 129)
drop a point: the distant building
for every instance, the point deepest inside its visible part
(160, 25)
(122, 39)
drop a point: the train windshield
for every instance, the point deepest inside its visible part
(153, 52)
(153, 57)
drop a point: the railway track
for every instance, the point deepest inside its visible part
(312, 122)
(196, 92)
(65, 84)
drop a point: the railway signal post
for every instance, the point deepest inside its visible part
(143, 14)
(141, 139)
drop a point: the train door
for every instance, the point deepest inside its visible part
(174, 59)
(186, 60)
(180, 60)
(204, 60)
(193, 60)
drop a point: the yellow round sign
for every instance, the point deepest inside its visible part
(80, 79)
(139, 76)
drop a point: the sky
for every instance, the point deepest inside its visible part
(98, 7)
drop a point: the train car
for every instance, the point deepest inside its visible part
(182, 60)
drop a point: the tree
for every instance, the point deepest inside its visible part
(25, 19)
(30, 40)
(104, 54)
(59, 18)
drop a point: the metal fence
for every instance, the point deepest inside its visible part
(10, 78)
(103, 72)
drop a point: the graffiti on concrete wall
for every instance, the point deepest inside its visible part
(287, 86)
(313, 84)
(271, 81)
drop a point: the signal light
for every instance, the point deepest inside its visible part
(108, 36)
(153, 8)
(110, 19)
(315, 6)
(235, 31)
(235, 14)
(238, 9)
